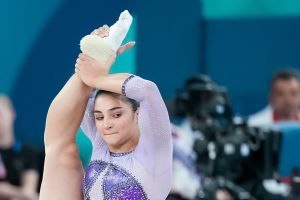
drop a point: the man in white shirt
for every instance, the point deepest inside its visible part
(284, 100)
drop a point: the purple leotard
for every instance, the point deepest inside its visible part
(144, 173)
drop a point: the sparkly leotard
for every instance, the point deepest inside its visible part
(144, 173)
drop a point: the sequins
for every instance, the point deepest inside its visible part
(119, 154)
(93, 171)
(124, 84)
(117, 183)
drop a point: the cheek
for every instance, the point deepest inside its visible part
(98, 126)
(279, 98)
(126, 125)
(123, 123)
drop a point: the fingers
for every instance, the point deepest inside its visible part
(125, 47)
(105, 26)
(80, 61)
(77, 68)
(78, 65)
(101, 31)
(82, 57)
(84, 60)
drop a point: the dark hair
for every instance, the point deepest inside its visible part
(286, 75)
(133, 103)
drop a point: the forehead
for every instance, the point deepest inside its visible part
(104, 102)
(289, 83)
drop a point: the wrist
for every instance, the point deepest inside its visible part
(87, 88)
(98, 81)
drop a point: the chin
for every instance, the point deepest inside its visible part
(111, 140)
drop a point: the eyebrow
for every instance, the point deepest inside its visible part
(112, 109)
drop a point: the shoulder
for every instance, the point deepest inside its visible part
(261, 118)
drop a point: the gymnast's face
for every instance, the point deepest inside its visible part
(116, 122)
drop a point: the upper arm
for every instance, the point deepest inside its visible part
(88, 122)
(154, 125)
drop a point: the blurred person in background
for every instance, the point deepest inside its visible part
(18, 164)
(284, 100)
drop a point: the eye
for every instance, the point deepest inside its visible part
(117, 115)
(99, 118)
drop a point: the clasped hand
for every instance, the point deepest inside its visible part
(89, 70)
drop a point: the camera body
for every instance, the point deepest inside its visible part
(226, 146)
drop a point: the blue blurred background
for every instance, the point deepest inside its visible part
(240, 44)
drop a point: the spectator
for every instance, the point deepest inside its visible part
(284, 100)
(18, 174)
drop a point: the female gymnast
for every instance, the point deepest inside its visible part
(128, 124)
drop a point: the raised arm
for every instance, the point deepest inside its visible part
(154, 124)
(154, 121)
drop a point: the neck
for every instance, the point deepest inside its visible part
(127, 146)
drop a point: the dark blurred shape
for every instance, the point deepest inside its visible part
(206, 103)
(295, 185)
(226, 146)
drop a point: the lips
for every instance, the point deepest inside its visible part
(111, 133)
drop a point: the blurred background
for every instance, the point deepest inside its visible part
(238, 44)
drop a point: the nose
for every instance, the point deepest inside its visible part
(108, 124)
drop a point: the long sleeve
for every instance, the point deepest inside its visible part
(154, 150)
(88, 122)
